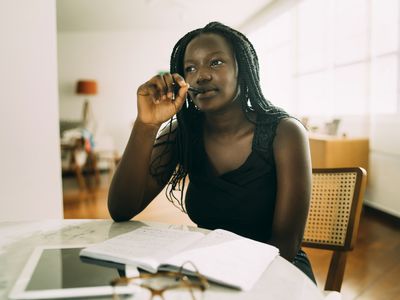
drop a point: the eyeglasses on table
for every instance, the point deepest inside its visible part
(165, 285)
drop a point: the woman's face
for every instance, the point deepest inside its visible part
(210, 64)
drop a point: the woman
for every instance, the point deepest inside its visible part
(248, 161)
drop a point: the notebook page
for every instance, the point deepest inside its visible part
(228, 258)
(143, 246)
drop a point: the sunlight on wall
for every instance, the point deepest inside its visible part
(332, 58)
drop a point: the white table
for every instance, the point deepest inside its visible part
(281, 280)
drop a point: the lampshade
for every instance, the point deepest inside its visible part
(86, 87)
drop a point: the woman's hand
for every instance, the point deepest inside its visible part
(157, 101)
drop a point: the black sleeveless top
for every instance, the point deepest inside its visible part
(241, 200)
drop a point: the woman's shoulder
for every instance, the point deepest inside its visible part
(266, 127)
(290, 124)
(272, 115)
(290, 129)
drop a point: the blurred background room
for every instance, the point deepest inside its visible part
(69, 70)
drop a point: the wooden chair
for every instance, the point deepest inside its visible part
(334, 216)
(79, 166)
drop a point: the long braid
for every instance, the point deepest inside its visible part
(187, 133)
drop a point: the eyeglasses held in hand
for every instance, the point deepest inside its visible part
(166, 285)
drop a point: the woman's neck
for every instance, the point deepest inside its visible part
(232, 121)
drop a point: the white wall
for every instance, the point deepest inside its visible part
(120, 62)
(30, 180)
(383, 190)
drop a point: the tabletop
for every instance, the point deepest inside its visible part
(281, 280)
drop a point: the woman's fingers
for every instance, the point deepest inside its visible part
(169, 85)
(183, 89)
(155, 89)
(160, 88)
(149, 90)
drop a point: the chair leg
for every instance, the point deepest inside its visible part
(78, 169)
(80, 178)
(336, 271)
(96, 170)
(93, 170)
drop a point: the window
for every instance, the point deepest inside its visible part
(332, 57)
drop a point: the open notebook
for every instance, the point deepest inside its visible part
(221, 256)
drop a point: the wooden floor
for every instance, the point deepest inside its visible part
(372, 271)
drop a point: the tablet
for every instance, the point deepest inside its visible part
(58, 272)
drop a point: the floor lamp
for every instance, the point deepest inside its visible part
(86, 87)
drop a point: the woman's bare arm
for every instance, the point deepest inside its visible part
(132, 178)
(293, 169)
(133, 187)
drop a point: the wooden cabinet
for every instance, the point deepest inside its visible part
(335, 152)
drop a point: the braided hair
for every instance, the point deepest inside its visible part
(187, 131)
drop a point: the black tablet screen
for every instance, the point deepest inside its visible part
(62, 268)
